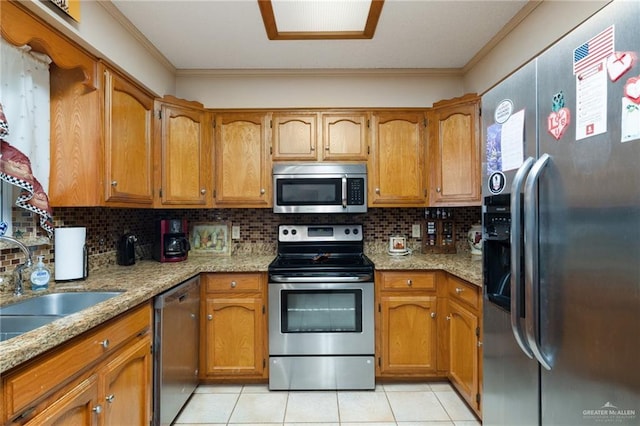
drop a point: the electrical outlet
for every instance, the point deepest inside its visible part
(415, 230)
(235, 232)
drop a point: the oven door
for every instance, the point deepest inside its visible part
(321, 319)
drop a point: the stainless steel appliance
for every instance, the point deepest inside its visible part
(319, 188)
(321, 302)
(561, 229)
(176, 347)
(171, 240)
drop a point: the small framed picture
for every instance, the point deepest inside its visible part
(210, 238)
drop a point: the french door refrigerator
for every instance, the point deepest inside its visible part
(561, 229)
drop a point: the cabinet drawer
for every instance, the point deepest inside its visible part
(458, 289)
(55, 368)
(408, 280)
(237, 282)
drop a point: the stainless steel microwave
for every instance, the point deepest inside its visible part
(319, 188)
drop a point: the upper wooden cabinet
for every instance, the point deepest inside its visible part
(183, 159)
(318, 136)
(243, 166)
(454, 152)
(397, 176)
(128, 137)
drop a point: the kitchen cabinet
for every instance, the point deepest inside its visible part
(128, 137)
(454, 152)
(397, 174)
(406, 343)
(234, 326)
(100, 377)
(320, 136)
(242, 160)
(183, 155)
(463, 319)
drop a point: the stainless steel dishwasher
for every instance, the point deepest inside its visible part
(176, 325)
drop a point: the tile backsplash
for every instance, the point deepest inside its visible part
(258, 228)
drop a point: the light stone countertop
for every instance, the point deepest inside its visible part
(146, 279)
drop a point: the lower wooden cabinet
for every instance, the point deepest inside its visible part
(102, 377)
(234, 326)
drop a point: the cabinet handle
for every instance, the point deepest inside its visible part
(459, 290)
(433, 314)
(234, 284)
(110, 398)
(438, 189)
(105, 343)
(209, 317)
(114, 183)
(203, 191)
(409, 282)
(377, 190)
(97, 409)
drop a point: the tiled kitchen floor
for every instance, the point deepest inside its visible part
(407, 404)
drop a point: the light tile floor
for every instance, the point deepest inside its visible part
(402, 404)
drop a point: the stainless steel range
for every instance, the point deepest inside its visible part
(321, 304)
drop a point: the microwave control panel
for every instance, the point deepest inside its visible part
(355, 191)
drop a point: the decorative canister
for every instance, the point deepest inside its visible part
(474, 236)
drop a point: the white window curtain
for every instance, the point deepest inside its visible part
(24, 95)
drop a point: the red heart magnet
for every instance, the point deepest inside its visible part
(632, 89)
(558, 122)
(619, 63)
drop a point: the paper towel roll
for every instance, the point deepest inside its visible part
(69, 253)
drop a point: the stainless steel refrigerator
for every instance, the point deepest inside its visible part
(561, 229)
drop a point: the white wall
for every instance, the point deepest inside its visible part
(545, 25)
(282, 89)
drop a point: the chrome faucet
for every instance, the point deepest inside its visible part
(17, 273)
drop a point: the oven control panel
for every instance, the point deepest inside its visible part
(299, 233)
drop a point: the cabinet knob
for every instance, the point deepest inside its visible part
(313, 148)
(409, 282)
(203, 191)
(114, 183)
(377, 190)
(479, 344)
(438, 189)
(433, 314)
(105, 343)
(262, 191)
(110, 398)
(209, 317)
(448, 317)
(97, 409)
(234, 284)
(459, 290)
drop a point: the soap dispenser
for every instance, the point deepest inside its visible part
(40, 276)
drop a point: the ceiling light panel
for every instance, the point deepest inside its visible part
(321, 16)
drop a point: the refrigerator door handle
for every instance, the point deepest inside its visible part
(516, 257)
(531, 258)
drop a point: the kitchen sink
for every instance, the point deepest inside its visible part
(30, 314)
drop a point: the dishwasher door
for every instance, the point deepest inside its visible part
(175, 377)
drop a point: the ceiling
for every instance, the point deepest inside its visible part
(230, 34)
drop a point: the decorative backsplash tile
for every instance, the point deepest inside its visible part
(258, 228)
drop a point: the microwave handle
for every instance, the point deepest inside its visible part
(344, 192)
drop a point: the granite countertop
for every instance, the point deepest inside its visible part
(146, 279)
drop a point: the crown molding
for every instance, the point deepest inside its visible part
(329, 72)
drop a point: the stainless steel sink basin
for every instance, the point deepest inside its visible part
(58, 303)
(15, 325)
(30, 314)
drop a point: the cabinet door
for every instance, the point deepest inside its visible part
(455, 154)
(408, 335)
(295, 136)
(344, 136)
(397, 171)
(463, 351)
(185, 158)
(234, 336)
(243, 168)
(126, 396)
(78, 406)
(127, 144)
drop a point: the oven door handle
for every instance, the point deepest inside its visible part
(356, 278)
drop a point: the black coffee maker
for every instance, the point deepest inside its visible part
(126, 249)
(171, 241)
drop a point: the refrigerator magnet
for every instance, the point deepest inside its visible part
(618, 63)
(496, 182)
(632, 89)
(560, 117)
